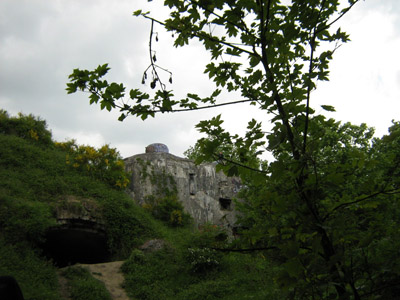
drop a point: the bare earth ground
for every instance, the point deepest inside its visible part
(108, 273)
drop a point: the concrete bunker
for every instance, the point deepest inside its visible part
(76, 241)
(79, 236)
(205, 193)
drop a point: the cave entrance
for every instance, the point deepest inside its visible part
(76, 241)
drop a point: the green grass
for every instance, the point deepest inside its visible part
(83, 286)
(33, 178)
(36, 276)
(167, 275)
(170, 273)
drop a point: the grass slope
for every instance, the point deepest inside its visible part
(34, 176)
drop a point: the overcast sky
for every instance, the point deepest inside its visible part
(42, 41)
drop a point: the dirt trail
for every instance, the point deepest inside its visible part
(111, 275)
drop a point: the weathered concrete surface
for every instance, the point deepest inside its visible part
(206, 195)
(81, 210)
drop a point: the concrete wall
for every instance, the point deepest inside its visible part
(206, 195)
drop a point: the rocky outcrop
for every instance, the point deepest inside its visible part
(153, 246)
(207, 195)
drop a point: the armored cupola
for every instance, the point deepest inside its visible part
(157, 147)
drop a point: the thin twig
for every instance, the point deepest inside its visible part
(219, 157)
(390, 192)
(205, 36)
(188, 109)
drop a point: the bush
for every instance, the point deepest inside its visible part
(127, 225)
(25, 126)
(167, 209)
(154, 276)
(82, 286)
(203, 260)
(207, 290)
(104, 164)
(209, 235)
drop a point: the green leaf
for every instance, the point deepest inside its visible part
(137, 12)
(122, 117)
(94, 98)
(294, 267)
(328, 108)
(71, 88)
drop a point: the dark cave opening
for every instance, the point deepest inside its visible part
(76, 242)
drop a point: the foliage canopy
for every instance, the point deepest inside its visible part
(326, 207)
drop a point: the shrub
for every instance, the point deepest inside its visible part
(153, 276)
(167, 209)
(25, 126)
(203, 260)
(127, 224)
(209, 235)
(207, 290)
(104, 164)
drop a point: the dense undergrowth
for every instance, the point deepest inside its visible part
(189, 268)
(35, 175)
(84, 286)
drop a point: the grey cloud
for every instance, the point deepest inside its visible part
(42, 41)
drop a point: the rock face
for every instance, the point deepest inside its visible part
(206, 195)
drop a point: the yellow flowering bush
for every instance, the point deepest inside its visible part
(33, 134)
(104, 163)
(25, 126)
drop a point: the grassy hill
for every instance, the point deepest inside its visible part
(35, 173)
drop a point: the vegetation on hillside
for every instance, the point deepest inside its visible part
(83, 286)
(35, 175)
(190, 269)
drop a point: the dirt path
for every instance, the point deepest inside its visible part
(110, 275)
(63, 286)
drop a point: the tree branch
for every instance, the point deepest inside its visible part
(344, 11)
(219, 157)
(243, 250)
(277, 99)
(201, 36)
(187, 109)
(390, 192)
(311, 66)
(244, 28)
